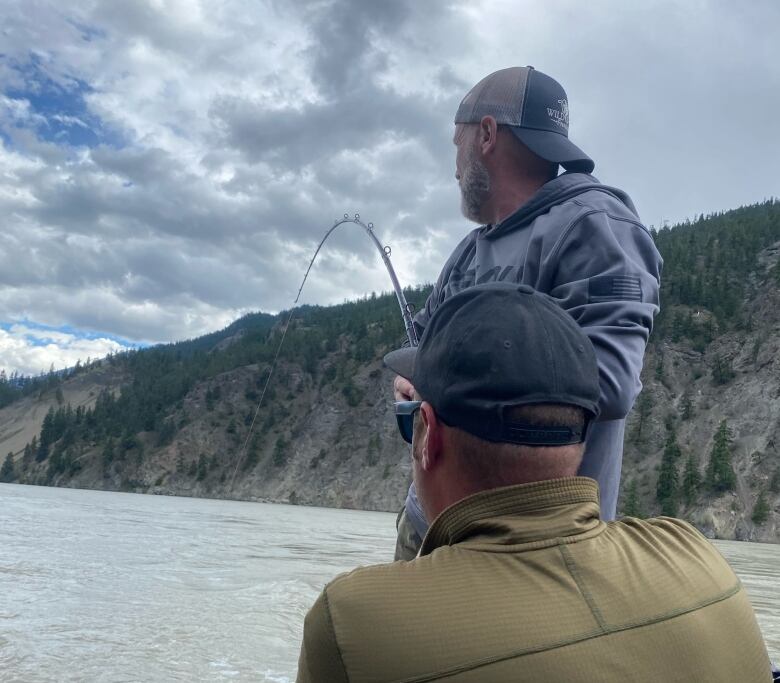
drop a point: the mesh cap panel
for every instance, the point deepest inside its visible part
(500, 95)
(534, 107)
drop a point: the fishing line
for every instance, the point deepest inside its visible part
(406, 312)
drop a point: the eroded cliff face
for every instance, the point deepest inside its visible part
(309, 444)
(320, 451)
(328, 437)
(737, 379)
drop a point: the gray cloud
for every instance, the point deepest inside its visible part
(239, 131)
(343, 50)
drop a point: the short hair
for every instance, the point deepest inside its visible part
(490, 464)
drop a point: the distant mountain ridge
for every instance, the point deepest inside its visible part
(175, 419)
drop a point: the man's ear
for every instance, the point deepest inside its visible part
(488, 135)
(432, 440)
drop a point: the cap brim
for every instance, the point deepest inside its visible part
(401, 361)
(554, 147)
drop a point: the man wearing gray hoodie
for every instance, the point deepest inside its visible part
(566, 235)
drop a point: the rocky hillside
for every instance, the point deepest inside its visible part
(689, 392)
(176, 419)
(702, 441)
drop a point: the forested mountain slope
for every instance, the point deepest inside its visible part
(702, 441)
(704, 436)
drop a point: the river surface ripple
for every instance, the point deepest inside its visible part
(103, 586)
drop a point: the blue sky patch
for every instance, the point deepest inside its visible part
(40, 338)
(62, 115)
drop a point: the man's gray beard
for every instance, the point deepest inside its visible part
(474, 188)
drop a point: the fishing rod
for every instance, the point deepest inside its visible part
(407, 310)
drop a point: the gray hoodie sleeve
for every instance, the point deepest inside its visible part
(605, 272)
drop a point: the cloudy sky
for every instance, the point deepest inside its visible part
(168, 165)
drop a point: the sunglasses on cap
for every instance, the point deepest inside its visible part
(404, 416)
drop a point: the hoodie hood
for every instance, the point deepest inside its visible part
(555, 192)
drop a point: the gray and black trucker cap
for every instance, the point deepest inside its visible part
(536, 109)
(498, 345)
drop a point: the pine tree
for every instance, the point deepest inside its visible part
(252, 454)
(720, 473)
(7, 471)
(659, 367)
(678, 326)
(632, 507)
(280, 452)
(668, 478)
(47, 436)
(691, 480)
(108, 453)
(372, 451)
(760, 509)
(721, 370)
(166, 432)
(774, 482)
(686, 407)
(643, 407)
(139, 452)
(353, 395)
(203, 467)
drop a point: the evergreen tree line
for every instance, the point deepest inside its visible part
(16, 385)
(159, 378)
(706, 266)
(681, 481)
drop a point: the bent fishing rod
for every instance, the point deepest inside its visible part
(406, 313)
(406, 309)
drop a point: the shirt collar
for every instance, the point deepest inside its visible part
(536, 513)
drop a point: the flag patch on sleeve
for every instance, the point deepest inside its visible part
(614, 288)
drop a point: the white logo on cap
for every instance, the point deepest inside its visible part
(560, 116)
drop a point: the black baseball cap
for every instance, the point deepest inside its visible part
(495, 346)
(534, 107)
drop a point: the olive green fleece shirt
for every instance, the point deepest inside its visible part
(526, 583)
